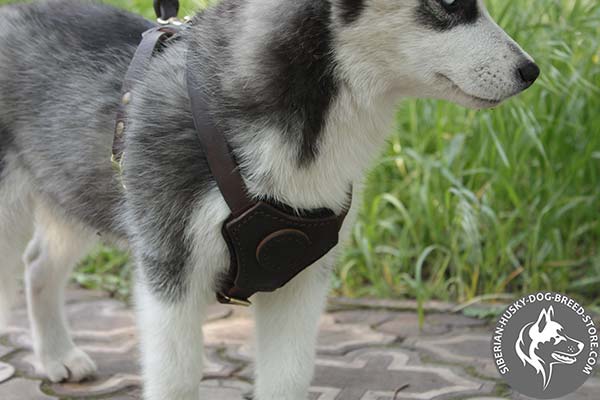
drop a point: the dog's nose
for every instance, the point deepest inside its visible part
(529, 72)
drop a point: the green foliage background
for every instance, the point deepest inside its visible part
(464, 203)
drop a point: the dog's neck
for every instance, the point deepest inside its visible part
(302, 127)
(352, 138)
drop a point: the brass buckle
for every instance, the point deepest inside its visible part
(174, 21)
(233, 301)
(118, 167)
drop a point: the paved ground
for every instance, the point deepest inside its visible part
(367, 350)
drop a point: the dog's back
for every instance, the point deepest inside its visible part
(61, 64)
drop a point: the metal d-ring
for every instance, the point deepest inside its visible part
(174, 21)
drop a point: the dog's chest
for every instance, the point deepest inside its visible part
(352, 138)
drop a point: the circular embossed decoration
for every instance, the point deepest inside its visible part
(286, 247)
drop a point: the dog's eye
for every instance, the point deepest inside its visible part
(449, 5)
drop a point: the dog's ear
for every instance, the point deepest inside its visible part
(544, 318)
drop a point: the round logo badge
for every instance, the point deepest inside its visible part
(545, 345)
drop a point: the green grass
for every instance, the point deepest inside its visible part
(463, 203)
(106, 269)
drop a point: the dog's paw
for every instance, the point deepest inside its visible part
(74, 366)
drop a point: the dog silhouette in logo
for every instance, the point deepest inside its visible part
(543, 344)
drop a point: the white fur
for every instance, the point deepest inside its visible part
(171, 334)
(286, 330)
(354, 134)
(171, 344)
(287, 324)
(389, 51)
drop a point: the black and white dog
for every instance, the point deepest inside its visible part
(304, 90)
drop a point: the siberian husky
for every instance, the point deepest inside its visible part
(305, 92)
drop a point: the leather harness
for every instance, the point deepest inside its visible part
(268, 243)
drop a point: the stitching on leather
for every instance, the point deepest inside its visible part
(237, 240)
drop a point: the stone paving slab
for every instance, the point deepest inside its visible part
(367, 350)
(463, 348)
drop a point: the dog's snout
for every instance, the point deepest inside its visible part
(529, 72)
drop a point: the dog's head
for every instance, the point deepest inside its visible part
(544, 343)
(443, 49)
(551, 343)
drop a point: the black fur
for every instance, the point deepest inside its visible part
(351, 10)
(6, 139)
(304, 84)
(436, 16)
(295, 84)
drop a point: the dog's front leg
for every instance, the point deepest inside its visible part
(286, 327)
(171, 344)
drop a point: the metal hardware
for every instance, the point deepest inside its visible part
(120, 128)
(117, 166)
(233, 301)
(174, 21)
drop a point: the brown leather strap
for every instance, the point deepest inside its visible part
(220, 160)
(151, 39)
